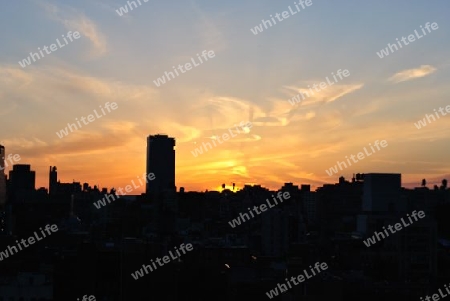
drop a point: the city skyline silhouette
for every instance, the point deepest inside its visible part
(204, 150)
(229, 185)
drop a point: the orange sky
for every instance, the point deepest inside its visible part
(251, 78)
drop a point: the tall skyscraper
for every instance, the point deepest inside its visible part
(161, 162)
(53, 180)
(2, 176)
(2, 156)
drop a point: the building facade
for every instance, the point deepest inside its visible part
(2, 176)
(161, 162)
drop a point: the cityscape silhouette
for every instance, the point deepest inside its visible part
(238, 150)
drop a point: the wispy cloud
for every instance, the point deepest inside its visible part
(209, 30)
(75, 20)
(409, 74)
(329, 94)
(51, 83)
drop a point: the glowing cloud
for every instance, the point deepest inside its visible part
(410, 74)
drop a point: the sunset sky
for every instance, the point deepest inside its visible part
(250, 78)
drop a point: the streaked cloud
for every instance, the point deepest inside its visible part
(74, 20)
(328, 94)
(208, 29)
(410, 74)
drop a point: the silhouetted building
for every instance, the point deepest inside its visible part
(309, 199)
(22, 181)
(68, 188)
(2, 176)
(160, 162)
(53, 180)
(274, 232)
(412, 251)
(338, 206)
(2, 157)
(56, 188)
(381, 192)
(381, 198)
